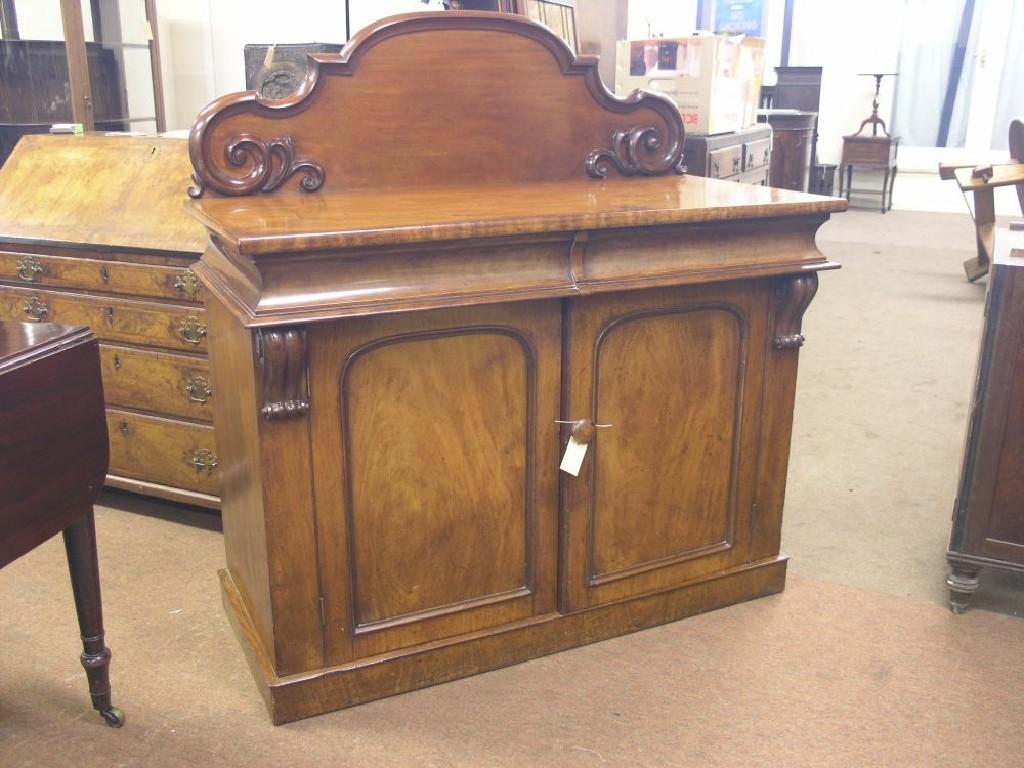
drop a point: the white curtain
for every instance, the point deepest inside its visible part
(926, 54)
(1011, 85)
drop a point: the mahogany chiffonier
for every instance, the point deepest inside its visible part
(988, 514)
(424, 283)
(93, 231)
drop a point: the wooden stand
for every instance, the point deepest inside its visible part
(411, 339)
(873, 152)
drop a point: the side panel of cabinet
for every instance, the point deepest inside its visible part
(666, 493)
(995, 523)
(436, 473)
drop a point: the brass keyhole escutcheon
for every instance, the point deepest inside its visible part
(104, 274)
(198, 388)
(35, 309)
(191, 330)
(28, 269)
(123, 426)
(204, 460)
(117, 362)
(108, 314)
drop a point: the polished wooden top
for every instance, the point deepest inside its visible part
(107, 191)
(257, 225)
(22, 343)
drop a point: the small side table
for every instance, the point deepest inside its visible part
(874, 152)
(53, 459)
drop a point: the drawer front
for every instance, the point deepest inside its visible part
(100, 275)
(725, 162)
(881, 152)
(160, 382)
(134, 322)
(756, 154)
(164, 451)
(758, 176)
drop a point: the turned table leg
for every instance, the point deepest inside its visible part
(962, 583)
(80, 543)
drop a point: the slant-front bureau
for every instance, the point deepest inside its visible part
(93, 232)
(450, 255)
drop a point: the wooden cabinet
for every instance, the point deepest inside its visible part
(988, 519)
(105, 242)
(742, 155)
(411, 346)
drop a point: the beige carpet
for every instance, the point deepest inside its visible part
(858, 663)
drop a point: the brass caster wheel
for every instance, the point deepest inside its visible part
(113, 717)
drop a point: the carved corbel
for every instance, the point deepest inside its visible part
(281, 366)
(793, 294)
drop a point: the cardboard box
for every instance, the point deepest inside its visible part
(715, 80)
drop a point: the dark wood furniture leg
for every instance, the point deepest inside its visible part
(80, 543)
(962, 582)
(885, 185)
(849, 181)
(892, 184)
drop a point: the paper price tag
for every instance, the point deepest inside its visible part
(572, 459)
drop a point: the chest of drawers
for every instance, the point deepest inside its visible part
(743, 155)
(93, 232)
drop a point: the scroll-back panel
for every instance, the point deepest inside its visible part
(436, 99)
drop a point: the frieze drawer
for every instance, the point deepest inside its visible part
(135, 322)
(160, 382)
(148, 280)
(166, 451)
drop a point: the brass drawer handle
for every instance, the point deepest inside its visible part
(28, 269)
(104, 274)
(187, 283)
(204, 460)
(35, 309)
(191, 330)
(123, 426)
(198, 388)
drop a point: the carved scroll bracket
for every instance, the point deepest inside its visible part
(639, 151)
(793, 295)
(281, 367)
(270, 164)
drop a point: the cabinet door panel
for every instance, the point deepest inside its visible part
(666, 494)
(437, 511)
(673, 452)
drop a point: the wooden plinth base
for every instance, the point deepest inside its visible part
(298, 696)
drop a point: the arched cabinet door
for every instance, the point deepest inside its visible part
(435, 473)
(674, 381)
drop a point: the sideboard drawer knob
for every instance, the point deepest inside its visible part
(35, 309)
(28, 269)
(191, 330)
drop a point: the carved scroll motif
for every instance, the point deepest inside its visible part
(281, 362)
(270, 164)
(639, 151)
(792, 297)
